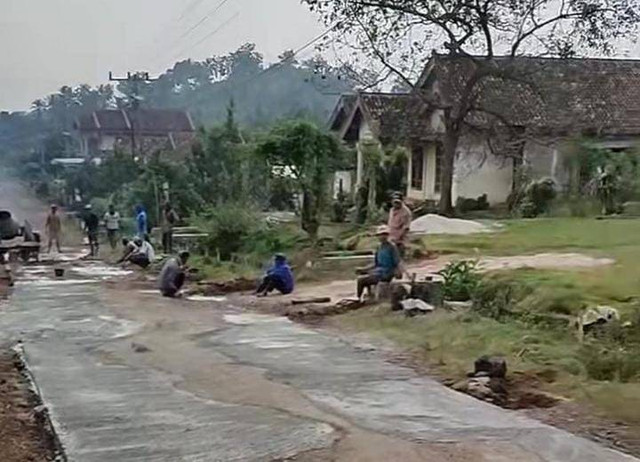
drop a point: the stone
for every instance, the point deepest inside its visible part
(494, 366)
(140, 348)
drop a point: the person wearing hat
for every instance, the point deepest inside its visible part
(400, 218)
(91, 227)
(385, 267)
(173, 275)
(278, 277)
(53, 227)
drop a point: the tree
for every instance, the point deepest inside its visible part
(310, 155)
(487, 36)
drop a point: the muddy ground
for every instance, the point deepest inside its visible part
(23, 431)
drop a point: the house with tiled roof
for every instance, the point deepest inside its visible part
(141, 131)
(548, 102)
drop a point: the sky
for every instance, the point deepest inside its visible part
(50, 43)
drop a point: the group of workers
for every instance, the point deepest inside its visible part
(279, 276)
(386, 266)
(111, 220)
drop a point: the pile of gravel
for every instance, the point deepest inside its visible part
(436, 224)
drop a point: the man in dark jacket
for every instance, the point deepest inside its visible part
(278, 277)
(92, 228)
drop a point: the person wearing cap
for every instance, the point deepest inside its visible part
(173, 275)
(278, 277)
(400, 218)
(385, 267)
(53, 227)
(91, 227)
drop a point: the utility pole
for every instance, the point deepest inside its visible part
(135, 78)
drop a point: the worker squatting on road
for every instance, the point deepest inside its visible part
(173, 275)
(278, 277)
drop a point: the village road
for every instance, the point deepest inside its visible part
(130, 376)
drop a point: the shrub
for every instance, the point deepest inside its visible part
(464, 204)
(461, 279)
(227, 227)
(496, 299)
(236, 229)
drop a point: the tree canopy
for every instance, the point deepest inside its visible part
(398, 36)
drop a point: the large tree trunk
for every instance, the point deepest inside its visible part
(372, 203)
(450, 145)
(310, 214)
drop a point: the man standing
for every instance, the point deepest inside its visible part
(169, 220)
(172, 276)
(53, 227)
(92, 227)
(112, 223)
(142, 224)
(400, 218)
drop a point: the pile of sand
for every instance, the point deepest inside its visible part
(436, 224)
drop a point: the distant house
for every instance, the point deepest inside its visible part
(146, 130)
(571, 98)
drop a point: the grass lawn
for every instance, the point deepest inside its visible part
(618, 239)
(452, 341)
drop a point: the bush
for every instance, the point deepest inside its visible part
(610, 362)
(236, 229)
(461, 279)
(227, 227)
(538, 198)
(464, 204)
(496, 299)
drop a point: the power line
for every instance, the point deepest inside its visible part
(295, 53)
(205, 18)
(189, 8)
(208, 36)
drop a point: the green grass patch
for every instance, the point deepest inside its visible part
(618, 239)
(527, 313)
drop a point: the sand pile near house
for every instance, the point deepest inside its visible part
(436, 224)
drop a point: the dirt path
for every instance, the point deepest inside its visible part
(23, 434)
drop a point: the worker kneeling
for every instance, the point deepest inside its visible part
(386, 266)
(173, 275)
(278, 277)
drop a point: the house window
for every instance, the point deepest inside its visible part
(417, 168)
(438, 170)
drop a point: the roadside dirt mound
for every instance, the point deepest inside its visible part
(22, 424)
(210, 288)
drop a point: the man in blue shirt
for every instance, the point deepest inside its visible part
(386, 264)
(279, 277)
(142, 224)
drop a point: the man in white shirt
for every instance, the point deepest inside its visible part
(139, 252)
(112, 223)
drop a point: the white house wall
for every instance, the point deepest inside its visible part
(107, 143)
(477, 171)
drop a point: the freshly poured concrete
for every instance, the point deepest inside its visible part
(297, 392)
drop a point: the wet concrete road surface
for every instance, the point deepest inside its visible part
(220, 384)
